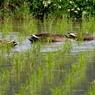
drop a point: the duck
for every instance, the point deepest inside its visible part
(80, 36)
(48, 37)
(5, 41)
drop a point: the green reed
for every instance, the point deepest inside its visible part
(91, 25)
(31, 71)
(6, 27)
(29, 27)
(91, 90)
(87, 25)
(91, 86)
(50, 65)
(5, 68)
(73, 78)
(4, 81)
(34, 80)
(33, 85)
(63, 25)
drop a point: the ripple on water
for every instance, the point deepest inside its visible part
(51, 47)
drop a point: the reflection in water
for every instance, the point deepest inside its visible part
(83, 46)
(76, 47)
(50, 47)
(24, 46)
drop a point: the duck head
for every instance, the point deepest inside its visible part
(71, 35)
(33, 38)
(11, 42)
(14, 43)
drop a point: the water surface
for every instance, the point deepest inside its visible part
(59, 73)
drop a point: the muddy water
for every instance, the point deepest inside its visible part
(76, 48)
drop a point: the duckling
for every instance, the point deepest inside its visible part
(80, 36)
(48, 37)
(12, 42)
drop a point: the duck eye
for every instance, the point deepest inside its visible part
(13, 41)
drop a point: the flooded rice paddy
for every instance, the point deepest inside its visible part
(60, 68)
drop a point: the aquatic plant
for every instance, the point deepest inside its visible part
(73, 77)
(4, 80)
(33, 71)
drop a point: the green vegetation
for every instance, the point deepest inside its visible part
(32, 72)
(43, 9)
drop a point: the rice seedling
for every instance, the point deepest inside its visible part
(90, 25)
(34, 83)
(4, 81)
(6, 27)
(73, 78)
(29, 27)
(32, 71)
(87, 25)
(50, 65)
(91, 83)
(91, 90)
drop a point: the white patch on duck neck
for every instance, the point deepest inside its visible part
(72, 34)
(35, 36)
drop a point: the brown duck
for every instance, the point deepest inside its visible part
(48, 37)
(11, 42)
(80, 36)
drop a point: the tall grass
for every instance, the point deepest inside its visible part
(4, 81)
(73, 78)
(6, 27)
(87, 25)
(38, 73)
(91, 83)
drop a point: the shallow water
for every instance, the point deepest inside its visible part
(76, 48)
(50, 47)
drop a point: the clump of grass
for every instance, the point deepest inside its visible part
(91, 25)
(29, 27)
(91, 85)
(74, 77)
(87, 25)
(31, 70)
(50, 65)
(34, 84)
(48, 24)
(18, 62)
(6, 27)
(62, 25)
(25, 64)
(91, 90)
(67, 47)
(4, 81)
